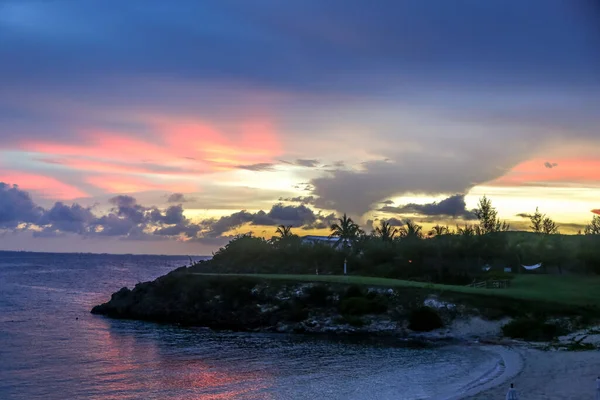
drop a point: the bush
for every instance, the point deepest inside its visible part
(317, 295)
(498, 275)
(354, 291)
(424, 319)
(362, 306)
(296, 313)
(351, 320)
(532, 329)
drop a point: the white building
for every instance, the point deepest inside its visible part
(320, 239)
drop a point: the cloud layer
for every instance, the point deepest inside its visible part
(127, 219)
(361, 102)
(452, 207)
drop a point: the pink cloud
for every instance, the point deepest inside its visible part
(192, 146)
(129, 184)
(596, 211)
(567, 171)
(84, 164)
(250, 142)
(45, 186)
(171, 154)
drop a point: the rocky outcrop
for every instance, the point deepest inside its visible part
(253, 304)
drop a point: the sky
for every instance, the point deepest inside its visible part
(147, 126)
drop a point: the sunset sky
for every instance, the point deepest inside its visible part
(146, 126)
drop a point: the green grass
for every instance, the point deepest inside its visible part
(567, 290)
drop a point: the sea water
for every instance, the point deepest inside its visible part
(51, 347)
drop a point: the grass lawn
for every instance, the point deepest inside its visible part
(568, 290)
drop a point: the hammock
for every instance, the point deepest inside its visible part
(531, 267)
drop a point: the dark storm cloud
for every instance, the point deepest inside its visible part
(126, 219)
(453, 206)
(355, 191)
(218, 227)
(395, 222)
(307, 163)
(299, 215)
(65, 218)
(189, 230)
(16, 207)
(127, 208)
(469, 59)
(279, 214)
(299, 199)
(177, 198)
(265, 44)
(239, 39)
(258, 167)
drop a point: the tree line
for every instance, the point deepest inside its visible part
(442, 254)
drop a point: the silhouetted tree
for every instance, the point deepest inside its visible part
(346, 230)
(284, 231)
(488, 218)
(439, 230)
(411, 230)
(540, 223)
(593, 228)
(536, 219)
(549, 227)
(385, 231)
(466, 230)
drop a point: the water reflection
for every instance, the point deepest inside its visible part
(53, 348)
(133, 358)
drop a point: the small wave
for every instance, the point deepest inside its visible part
(509, 365)
(487, 376)
(51, 289)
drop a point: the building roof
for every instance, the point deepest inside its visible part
(320, 238)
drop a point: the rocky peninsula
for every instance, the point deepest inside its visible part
(257, 304)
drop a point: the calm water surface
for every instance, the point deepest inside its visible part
(51, 347)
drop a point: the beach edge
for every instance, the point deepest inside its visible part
(512, 362)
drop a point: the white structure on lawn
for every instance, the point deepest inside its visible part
(320, 239)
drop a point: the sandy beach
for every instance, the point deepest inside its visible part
(550, 375)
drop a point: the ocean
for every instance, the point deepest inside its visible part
(51, 347)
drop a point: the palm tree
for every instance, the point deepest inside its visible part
(284, 231)
(439, 230)
(346, 230)
(411, 230)
(385, 231)
(466, 230)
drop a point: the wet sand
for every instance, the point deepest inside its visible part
(547, 375)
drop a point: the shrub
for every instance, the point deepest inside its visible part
(354, 291)
(533, 329)
(498, 275)
(296, 313)
(351, 320)
(317, 295)
(424, 319)
(362, 306)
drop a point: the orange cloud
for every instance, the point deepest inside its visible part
(127, 184)
(45, 186)
(596, 211)
(565, 171)
(173, 153)
(180, 146)
(249, 142)
(120, 168)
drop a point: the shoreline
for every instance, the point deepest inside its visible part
(541, 374)
(509, 366)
